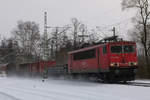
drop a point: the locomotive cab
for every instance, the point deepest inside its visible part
(123, 59)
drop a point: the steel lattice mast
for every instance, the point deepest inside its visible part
(46, 52)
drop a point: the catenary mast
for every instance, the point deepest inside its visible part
(46, 52)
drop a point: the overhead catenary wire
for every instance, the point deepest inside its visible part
(107, 28)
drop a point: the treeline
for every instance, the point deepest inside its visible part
(28, 44)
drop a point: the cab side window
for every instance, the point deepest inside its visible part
(104, 49)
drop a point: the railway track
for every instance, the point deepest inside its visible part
(136, 84)
(130, 83)
(139, 84)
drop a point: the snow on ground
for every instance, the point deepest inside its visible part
(58, 89)
(142, 81)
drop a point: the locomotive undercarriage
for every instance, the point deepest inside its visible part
(114, 75)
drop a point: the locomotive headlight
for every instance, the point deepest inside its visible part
(131, 64)
(112, 64)
(135, 63)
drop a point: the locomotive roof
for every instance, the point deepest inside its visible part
(95, 46)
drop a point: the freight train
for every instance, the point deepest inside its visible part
(111, 59)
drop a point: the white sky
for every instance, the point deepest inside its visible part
(91, 12)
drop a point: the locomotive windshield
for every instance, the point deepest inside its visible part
(116, 49)
(128, 48)
(122, 49)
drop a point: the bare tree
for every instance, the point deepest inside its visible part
(75, 24)
(80, 33)
(8, 50)
(27, 35)
(142, 22)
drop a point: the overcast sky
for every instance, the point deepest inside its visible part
(91, 12)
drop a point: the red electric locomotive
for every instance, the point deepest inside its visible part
(113, 60)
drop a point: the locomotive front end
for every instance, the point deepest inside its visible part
(123, 60)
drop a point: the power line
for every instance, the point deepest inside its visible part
(117, 23)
